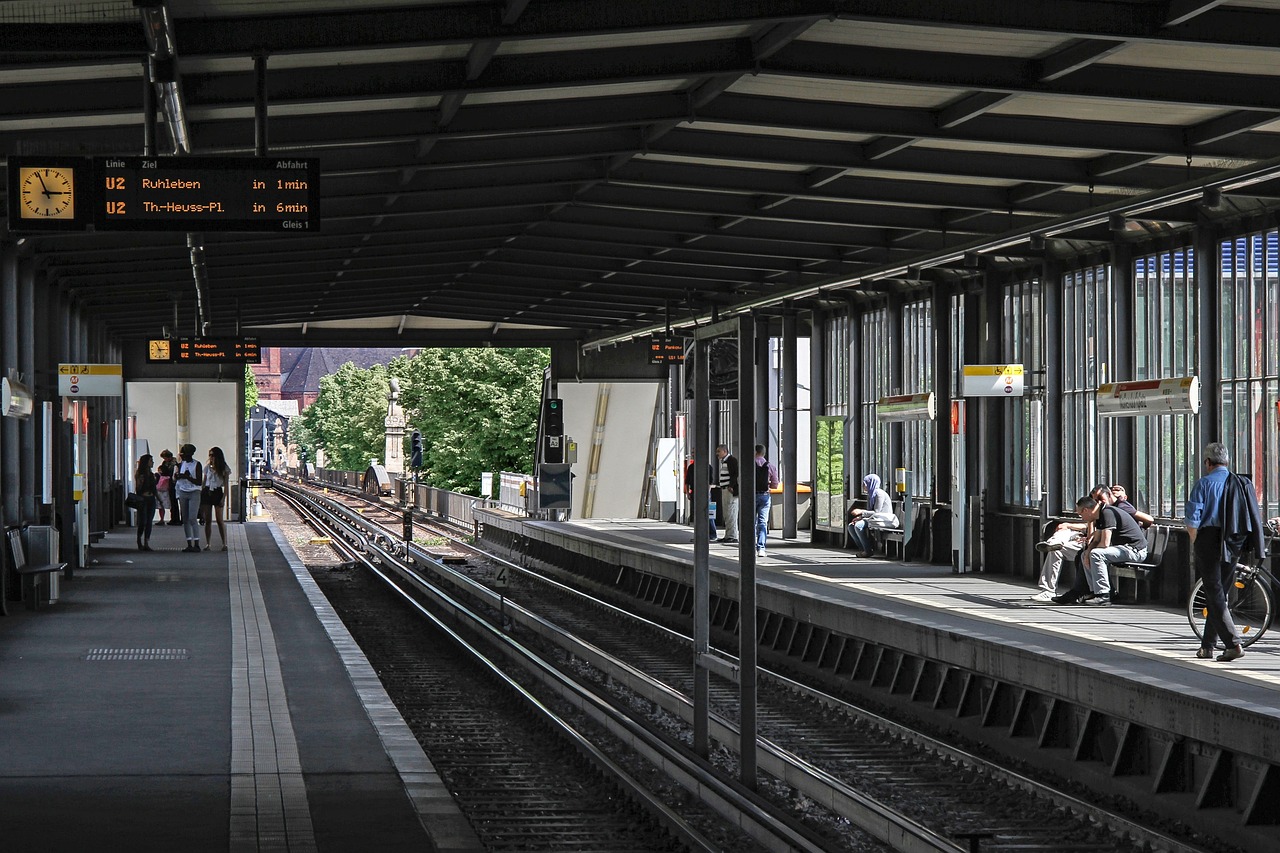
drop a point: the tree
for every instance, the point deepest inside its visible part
(347, 417)
(250, 389)
(477, 410)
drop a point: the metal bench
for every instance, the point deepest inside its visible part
(893, 537)
(1139, 573)
(30, 574)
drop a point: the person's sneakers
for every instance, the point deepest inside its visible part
(1042, 595)
(1097, 601)
(1066, 598)
(1046, 547)
(727, 541)
(1231, 654)
(760, 552)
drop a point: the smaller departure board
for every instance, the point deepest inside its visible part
(205, 350)
(666, 351)
(206, 194)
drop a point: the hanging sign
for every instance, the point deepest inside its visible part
(993, 380)
(90, 380)
(1149, 397)
(907, 407)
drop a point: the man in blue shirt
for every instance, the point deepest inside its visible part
(1204, 528)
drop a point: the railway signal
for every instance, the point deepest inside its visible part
(415, 450)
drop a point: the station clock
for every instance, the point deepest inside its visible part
(47, 192)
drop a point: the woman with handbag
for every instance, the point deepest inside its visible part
(213, 500)
(144, 486)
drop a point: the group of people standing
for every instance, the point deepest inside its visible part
(726, 481)
(191, 492)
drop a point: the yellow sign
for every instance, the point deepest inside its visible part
(90, 380)
(90, 370)
(993, 380)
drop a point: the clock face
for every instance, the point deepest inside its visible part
(47, 192)
(159, 350)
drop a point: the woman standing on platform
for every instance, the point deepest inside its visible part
(164, 479)
(188, 478)
(214, 497)
(144, 485)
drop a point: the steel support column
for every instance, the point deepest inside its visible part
(10, 459)
(788, 439)
(747, 375)
(698, 433)
(1054, 368)
(1124, 303)
(27, 446)
(1208, 340)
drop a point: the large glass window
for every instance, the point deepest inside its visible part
(1165, 447)
(917, 378)
(873, 383)
(1087, 355)
(835, 337)
(1251, 361)
(1022, 343)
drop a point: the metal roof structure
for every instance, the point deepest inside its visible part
(534, 170)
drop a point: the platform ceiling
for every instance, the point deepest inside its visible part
(542, 169)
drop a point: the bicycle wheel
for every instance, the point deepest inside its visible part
(1248, 601)
(1250, 606)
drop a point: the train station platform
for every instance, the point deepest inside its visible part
(212, 701)
(1116, 688)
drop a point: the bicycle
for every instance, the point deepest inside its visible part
(1248, 601)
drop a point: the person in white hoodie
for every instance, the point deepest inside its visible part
(877, 516)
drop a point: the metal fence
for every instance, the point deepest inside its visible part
(514, 494)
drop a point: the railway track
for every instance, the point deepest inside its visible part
(841, 764)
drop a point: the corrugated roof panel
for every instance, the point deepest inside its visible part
(606, 90)
(47, 74)
(637, 39)
(1218, 163)
(1190, 57)
(942, 39)
(1019, 150)
(1104, 109)
(242, 8)
(789, 132)
(813, 89)
(287, 61)
(737, 164)
(929, 177)
(1255, 4)
(277, 110)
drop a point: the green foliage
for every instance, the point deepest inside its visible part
(250, 389)
(477, 410)
(347, 418)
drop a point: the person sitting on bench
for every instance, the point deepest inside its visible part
(878, 515)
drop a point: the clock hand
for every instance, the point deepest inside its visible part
(43, 186)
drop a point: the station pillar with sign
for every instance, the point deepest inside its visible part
(959, 488)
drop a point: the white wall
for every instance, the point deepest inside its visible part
(628, 421)
(212, 418)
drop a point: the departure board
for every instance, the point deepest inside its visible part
(219, 350)
(666, 351)
(206, 194)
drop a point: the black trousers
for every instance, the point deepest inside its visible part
(1216, 575)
